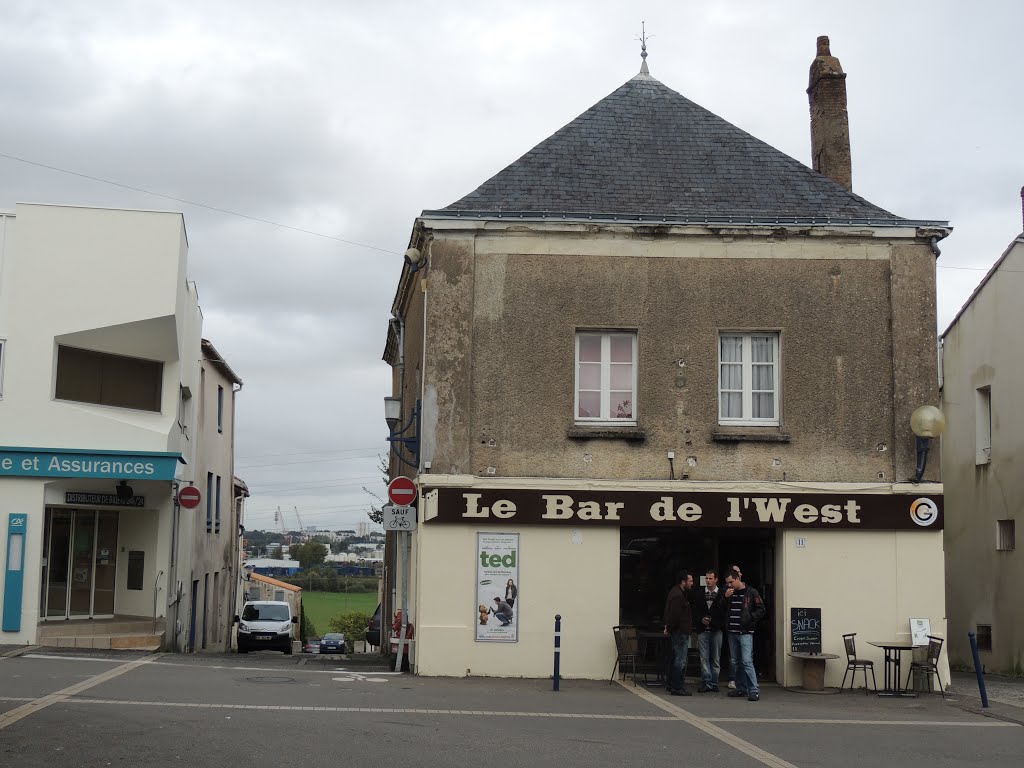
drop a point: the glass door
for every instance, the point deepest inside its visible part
(57, 561)
(79, 563)
(106, 560)
(83, 555)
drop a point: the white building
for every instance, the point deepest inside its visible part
(107, 394)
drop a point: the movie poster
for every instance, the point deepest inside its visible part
(497, 587)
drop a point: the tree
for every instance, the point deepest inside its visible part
(309, 554)
(376, 512)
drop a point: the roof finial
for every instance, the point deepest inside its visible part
(643, 38)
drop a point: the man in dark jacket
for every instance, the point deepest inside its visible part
(679, 625)
(709, 611)
(745, 609)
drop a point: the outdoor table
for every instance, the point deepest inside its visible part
(662, 654)
(814, 669)
(893, 650)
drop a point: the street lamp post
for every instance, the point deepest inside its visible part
(411, 442)
(926, 422)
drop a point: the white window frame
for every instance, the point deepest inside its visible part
(606, 345)
(747, 362)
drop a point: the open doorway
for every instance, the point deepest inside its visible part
(650, 557)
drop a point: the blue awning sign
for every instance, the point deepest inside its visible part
(99, 464)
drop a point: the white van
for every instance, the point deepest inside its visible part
(265, 624)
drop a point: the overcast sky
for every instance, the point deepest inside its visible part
(348, 118)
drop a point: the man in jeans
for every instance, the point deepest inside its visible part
(503, 612)
(678, 625)
(709, 620)
(745, 609)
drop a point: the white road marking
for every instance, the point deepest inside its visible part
(110, 660)
(65, 694)
(798, 721)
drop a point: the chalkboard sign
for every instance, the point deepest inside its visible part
(805, 630)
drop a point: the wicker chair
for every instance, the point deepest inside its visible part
(853, 663)
(930, 665)
(626, 652)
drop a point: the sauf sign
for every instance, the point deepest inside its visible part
(698, 509)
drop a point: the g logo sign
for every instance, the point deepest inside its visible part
(924, 512)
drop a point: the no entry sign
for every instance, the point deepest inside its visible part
(189, 497)
(402, 491)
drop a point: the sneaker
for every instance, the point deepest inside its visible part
(754, 696)
(714, 689)
(705, 689)
(732, 685)
(680, 692)
(736, 694)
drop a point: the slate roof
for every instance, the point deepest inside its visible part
(645, 149)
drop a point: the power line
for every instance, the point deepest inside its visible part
(976, 269)
(273, 491)
(306, 453)
(305, 461)
(314, 480)
(197, 205)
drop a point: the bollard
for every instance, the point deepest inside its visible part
(978, 670)
(558, 646)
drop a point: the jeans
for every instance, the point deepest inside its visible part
(677, 672)
(741, 646)
(710, 645)
(504, 618)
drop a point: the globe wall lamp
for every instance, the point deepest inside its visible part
(397, 437)
(927, 422)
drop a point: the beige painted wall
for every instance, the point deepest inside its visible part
(983, 349)
(577, 581)
(871, 583)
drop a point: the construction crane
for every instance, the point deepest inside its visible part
(279, 519)
(302, 528)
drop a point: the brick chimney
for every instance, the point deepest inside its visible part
(830, 125)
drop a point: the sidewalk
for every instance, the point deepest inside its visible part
(1005, 695)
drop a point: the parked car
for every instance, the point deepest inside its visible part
(333, 643)
(265, 624)
(373, 636)
(312, 645)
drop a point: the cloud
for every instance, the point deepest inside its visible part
(348, 119)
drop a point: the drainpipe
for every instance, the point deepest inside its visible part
(171, 624)
(390, 598)
(934, 243)
(236, 565)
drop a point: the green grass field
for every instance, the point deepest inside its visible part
(320, 607)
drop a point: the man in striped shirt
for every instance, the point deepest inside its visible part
(745, 609)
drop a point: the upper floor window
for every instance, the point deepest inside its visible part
(86, 376)
(748, 379)
(220, 408)
(606, 377)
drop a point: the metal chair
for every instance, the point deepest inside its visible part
(853, 663)
(626, 646)
(930, 665)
